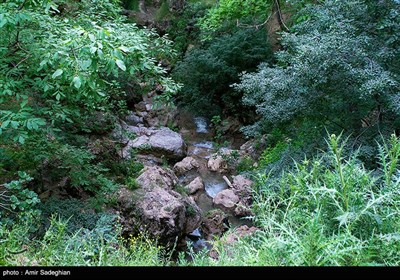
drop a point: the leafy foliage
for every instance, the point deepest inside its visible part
(329, 72)
(207, 72)
(254, 11)
(67, 65)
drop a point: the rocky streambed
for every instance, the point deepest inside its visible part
(188, 191)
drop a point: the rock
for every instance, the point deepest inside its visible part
(243, 209)
(141, 106)
(226, 198)
(159, 142)
(217, 163)
(149, 107)
(163, 116)
(241, 183)
(133, 119)
(187, 164)
(230, 126)
(240, 232)
(123, 132)
(194, 186)
(196, 234)
(231, 238)
(242, 188)
(214, 224)
(156, 176)
(193, 215)
(149, 160)
(163, 213)
(168, 142)
(176, 5)
(254, 147)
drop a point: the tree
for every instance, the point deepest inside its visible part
(60, 60)
(339, 67)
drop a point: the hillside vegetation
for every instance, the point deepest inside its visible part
(314, 86)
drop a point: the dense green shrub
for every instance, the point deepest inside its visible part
(208, 72)
(336, 69)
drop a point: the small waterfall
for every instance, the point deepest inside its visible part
(201, 125)
(215, 186)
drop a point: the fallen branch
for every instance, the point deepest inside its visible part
(227, 181)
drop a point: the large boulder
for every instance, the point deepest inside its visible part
(159, 142)
(155, 176)
(187, 164)
(162, 213)
(227, 198)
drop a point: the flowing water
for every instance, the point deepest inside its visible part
(198, 137)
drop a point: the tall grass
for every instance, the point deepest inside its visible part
(101, 246)
(328, 211)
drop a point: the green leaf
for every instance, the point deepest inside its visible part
(23, 103)
(93, 49)
(120, 64)
(86, 64)
(77, 82)
(124, 49)
(57, 73)
(14, 124)
(5, 124)
(3, 22)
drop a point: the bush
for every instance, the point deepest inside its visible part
(100, 246)
(327, 211)
(208, 72)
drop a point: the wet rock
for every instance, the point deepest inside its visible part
(226, 198)
(214, 224)
(194, 186)
(156, 176)
(187, 164)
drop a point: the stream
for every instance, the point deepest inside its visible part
(199, 140)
